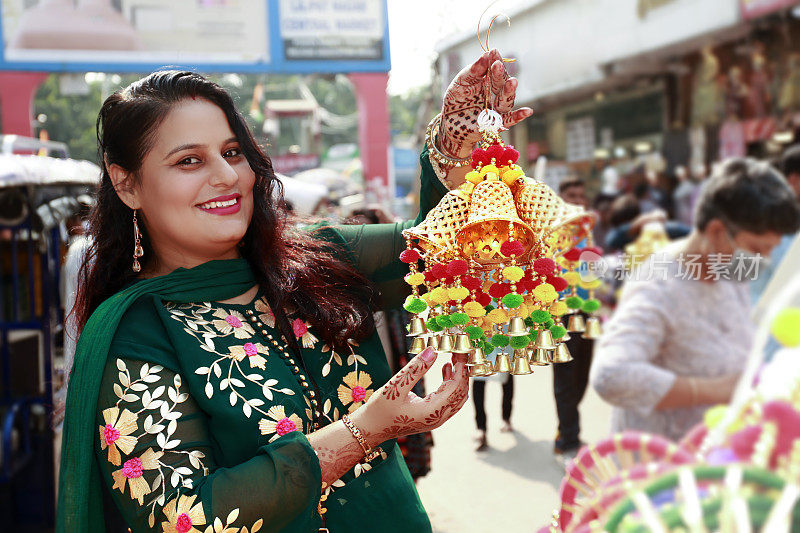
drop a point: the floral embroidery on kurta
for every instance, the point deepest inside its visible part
(278, 423)
(132, 473)
(355, 390)
(116, 434)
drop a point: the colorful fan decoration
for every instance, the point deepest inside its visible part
(495, 266)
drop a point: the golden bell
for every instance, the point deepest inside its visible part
(492, 214)
(544, 339)
(446, 343)
(433, 342)
(521, 366)
(502, 363)
(516, 327)
(593, 328)
(561, 354)
(462, 344)
(476, 357)
(481, 370)
(437, 232)
(416, 327)
(576, 324)
(417, 345)
(541, 357)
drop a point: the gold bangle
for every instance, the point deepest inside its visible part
(434, 152)
(369, 453)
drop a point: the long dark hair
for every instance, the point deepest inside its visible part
(294, 268)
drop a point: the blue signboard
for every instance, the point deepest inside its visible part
(272, 36)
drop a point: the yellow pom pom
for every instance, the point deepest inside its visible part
(427, 298)
(458, 293)
(486, 169)
(549, 297)
(497, 316)
(511, 175)
(513, 273)
(593, 284)
(786, 327)
(474, 177)
(474, 309)
(523, 311)
(467, 188)
(558, 308)
(417, 278)
(439, 295)
(573, 278)
(543, 289)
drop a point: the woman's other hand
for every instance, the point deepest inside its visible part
(394, 411)
(467, 96)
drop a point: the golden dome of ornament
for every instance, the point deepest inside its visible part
(437, 233)
(492, 215)
(573, 226)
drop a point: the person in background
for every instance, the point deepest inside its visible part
(571, 379)
(683, 196)
(478, 400)
(680, 336)
(789, 164)
(627, 221)
(602, 208)
(78, 247)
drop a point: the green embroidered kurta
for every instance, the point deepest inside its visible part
(203, 408)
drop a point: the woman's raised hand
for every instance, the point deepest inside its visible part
(483, 84)
(394, 411)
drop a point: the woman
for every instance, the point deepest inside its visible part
(217, 367)
(681, 334)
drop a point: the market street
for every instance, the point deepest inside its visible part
(513, 487)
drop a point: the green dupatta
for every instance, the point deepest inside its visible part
(80, 498)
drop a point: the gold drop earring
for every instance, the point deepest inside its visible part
(138, 251)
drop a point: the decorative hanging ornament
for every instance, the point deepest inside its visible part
(494, 275)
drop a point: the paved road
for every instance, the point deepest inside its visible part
(513, 487)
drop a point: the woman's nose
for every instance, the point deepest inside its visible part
(222, 173)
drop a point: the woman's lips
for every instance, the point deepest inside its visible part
(223, 205)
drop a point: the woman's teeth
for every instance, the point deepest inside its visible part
(214, 205)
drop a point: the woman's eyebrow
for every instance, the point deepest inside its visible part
(190, 146)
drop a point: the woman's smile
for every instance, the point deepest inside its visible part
(222, 205)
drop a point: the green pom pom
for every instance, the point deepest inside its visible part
(460, 319)
(558, 331)
(415, 305)
(590, 306)
(574, 302)
(528, 322)
(549, 323)
(539, 316)
(499, 340)
(487, 347)
(474, 332)
(433, 325)
(512, 301)
(489, 308)
(445, 321)
(519, 343)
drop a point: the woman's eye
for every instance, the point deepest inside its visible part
(189, 161)
(233, 152)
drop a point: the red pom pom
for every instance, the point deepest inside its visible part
(479, 158)
(473, 283)
(498, 290)
(573, 254)
(452, 303)
(429, 277)
(524, 285)
(438, 271)
(544, 266)
(744, 441)
(457, 267)
(558, 283)
(409, 256)
(484, 299)
(594, 249)
(512, 248)
(495, 152)
(510, 156)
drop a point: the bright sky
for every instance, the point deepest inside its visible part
(415, 26)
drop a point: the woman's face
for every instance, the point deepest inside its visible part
(195, 192)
